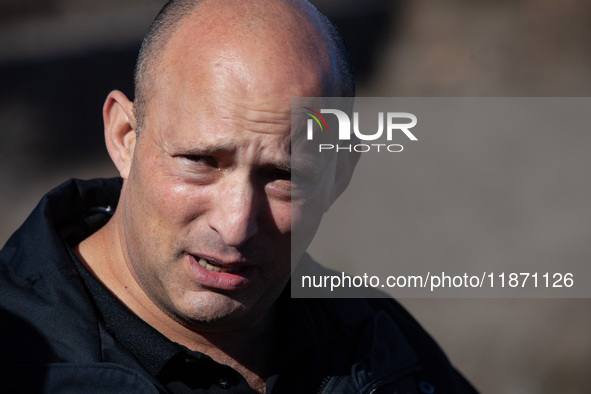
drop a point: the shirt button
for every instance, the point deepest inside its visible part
(223, 383)
(427, 387)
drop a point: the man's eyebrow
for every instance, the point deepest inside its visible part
(284, 165)
(209, 149)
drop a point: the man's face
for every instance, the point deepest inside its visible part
(209, 204)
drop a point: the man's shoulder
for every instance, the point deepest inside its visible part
(43, 299)
(62, 208)
(65, 215)
(50, 334)
(383, 340)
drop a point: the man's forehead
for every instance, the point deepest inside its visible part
(220, 116)
(215, 125)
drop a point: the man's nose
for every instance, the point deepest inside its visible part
(235, 211)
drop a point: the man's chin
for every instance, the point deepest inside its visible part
(210, 311)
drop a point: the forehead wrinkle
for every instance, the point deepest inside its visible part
(212, 143)
(256, 119)
(207, 149)
(260, 126)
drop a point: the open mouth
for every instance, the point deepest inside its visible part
(208, 265)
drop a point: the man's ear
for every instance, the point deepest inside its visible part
(120, 130)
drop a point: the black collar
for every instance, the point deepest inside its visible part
(173, 364)
(150, 347)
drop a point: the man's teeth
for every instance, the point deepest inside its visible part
(216, 268)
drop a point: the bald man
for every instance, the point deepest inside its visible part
(182, 287)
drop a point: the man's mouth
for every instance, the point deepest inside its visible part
(208, 265)
(223, 275)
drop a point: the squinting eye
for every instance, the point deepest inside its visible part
(281, 175)
(202, 159)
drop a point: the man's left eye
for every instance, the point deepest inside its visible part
(280, 175)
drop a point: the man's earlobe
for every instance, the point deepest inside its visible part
(120, 130)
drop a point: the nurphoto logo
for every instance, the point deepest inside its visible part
(393, 126)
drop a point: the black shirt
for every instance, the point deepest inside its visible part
(181, 370)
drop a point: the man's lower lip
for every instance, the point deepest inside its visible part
(219, 280)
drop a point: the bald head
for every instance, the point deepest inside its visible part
(288, 41)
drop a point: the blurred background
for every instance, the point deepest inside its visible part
(60, 58)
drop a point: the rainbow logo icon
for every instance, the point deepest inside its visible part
(316, 115)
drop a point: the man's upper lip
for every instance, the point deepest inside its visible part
(223, 262)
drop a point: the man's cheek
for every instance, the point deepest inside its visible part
(282, 216)
(176, 201)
